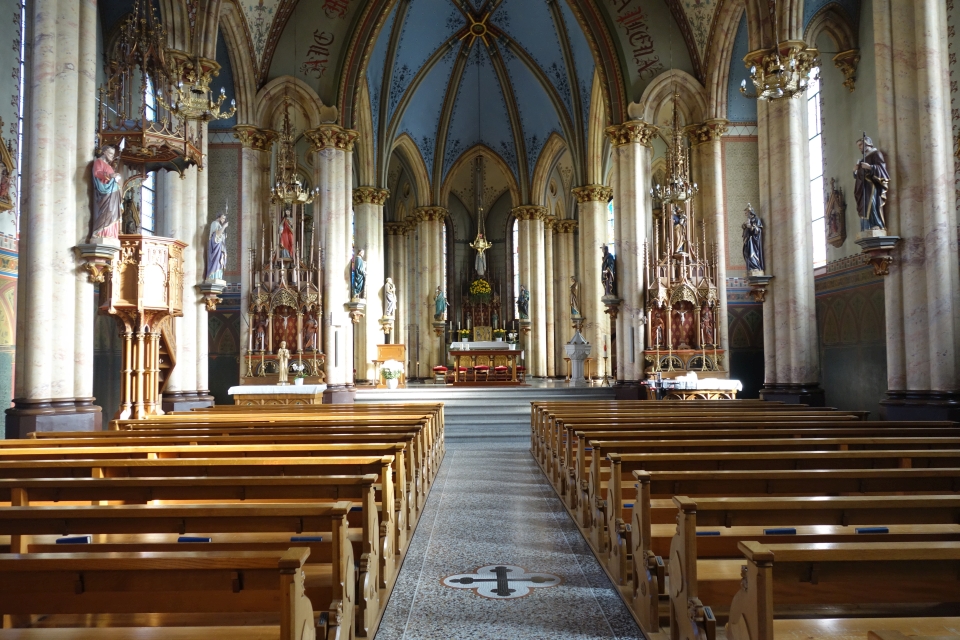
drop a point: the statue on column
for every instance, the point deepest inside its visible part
(608, 273)
(439, 305)
(872, 181)
(389, 298)
(753, 242)
(358, 276)
(523, 303)
(574, 297)
(283, 363)
(216, 248)
(105, 222)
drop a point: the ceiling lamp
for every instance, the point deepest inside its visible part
(288, 189)
(192, 97)
(783, 72)
(678, 188)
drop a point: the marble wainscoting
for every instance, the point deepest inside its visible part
(491, 506)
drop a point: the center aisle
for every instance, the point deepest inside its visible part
(491, 509)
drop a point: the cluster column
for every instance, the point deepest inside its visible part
(396, 269)
(429, 273)
(592, 210)
(368, 211)
(922, 292)
(550, 296)
(632, 155)
(564, 231)
(55, 299)
(533, 276)
(333, 210)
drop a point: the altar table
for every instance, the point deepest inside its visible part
(276, 395)
(512, 356)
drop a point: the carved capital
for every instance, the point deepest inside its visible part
(565, 226)
(396, 228)
(370, 195)
(549, 222)
(593, 193)
(847, 62)
(332, 136)
(709, 131)
(632, 131)
(251, 137)
(422, 214)
(529, 212)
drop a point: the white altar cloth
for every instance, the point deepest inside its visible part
(275, 389)
(481, 345)
(691, 382)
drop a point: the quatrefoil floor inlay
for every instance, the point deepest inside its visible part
(501, 581)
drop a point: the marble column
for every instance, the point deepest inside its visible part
(550, 296)
(533, 276)
(791, 358)
(922, 292)
(429, 273)
(708, 173)
(592, 211)
(396, 269)
(55, 307)
(564, 231)
(255, 151)
(415, 291)
(368, 211)
(332, 207)
(632, 156)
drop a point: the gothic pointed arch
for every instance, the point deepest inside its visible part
(832, 21)
(490, 155)
(659, 95)
(410, 153)
(237, 43)
(552, 151)
(723, 36)
(271, 97)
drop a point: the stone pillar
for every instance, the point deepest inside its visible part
(413, 298)
(565, 268)
(55, 305)
(255, 151)
(396, 269)
(428, 269)
(922, 293)
(708, 171)
(550, 296)
(592, 210)
(533, 276)
(332, 211)
(632, 155)
(368, 208)
(792, 371)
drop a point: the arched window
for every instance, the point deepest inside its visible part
(516, 266)
(611, 225)
(148, 188)
(815, 133)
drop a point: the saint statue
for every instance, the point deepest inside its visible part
(574, 297)
(106, 196)
(283, 363)
(706, 325)
(494, 319)
(216, 248)
(310, 330)
(523, 303)
(679, 230)
(260, 332)
(657, 329)
(608, 272)
(286, 235)
(131, 214)
(753, 242)
(439, 305)
(389, 298)
(872, 181)
(358, 276)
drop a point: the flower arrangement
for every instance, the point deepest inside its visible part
(464, 332)
(391, 369)
(512, 337)
(480, 290)
(299, 369)
(499, 333)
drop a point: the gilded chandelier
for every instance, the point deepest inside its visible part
(288, 189)
(783, 72)
(678, 188)
(192, 95)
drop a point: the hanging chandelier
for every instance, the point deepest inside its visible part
(288, 189)
(678, 188)
(783, 72)
(192, 96)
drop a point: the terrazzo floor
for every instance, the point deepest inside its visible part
(491, 505)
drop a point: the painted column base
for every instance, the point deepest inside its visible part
(921, 405)
(57, 414)
(340, 394)
(185, 400)
(803, 393)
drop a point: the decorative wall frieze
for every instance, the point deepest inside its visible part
(529, 212)
(251, 137)
(593, 193)
(370, 195)
(632, 131)
(847, 62)
(709, 131)
(422, 214)
(565, 226)
(332, 136)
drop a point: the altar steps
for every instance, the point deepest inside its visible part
(492, 412)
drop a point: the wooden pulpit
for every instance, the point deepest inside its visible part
(396, 352)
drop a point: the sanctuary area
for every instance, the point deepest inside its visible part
(356, 318)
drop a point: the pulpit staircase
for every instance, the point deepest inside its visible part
(474, 413)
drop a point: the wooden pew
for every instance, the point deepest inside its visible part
(694, 602)
(170, 583)
(868, 579)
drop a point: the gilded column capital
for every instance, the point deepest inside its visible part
(529, 212)
(370, 195)
(251, 137)
(565, 226)
(422, 214)
(631, 131)
(593, 193)
(847, 62)
(332, 136)
(549, 222)
(396, 228)
(710, 131)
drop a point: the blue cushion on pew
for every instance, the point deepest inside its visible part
(75, 540)
(194, 539)
(873, 530)
(783, 531)
(306, 538)
(708, 533)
